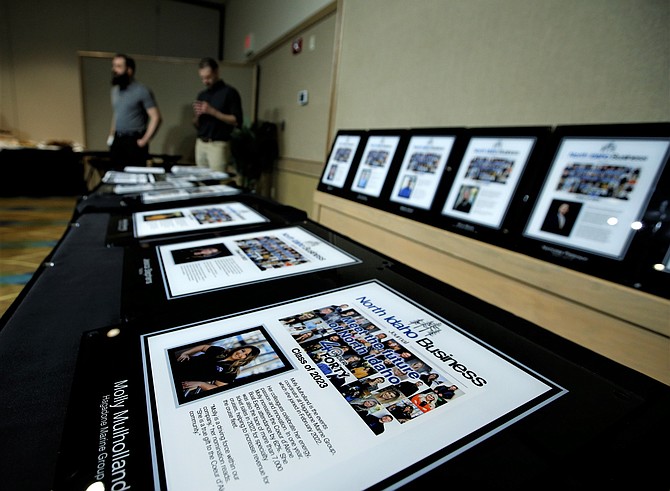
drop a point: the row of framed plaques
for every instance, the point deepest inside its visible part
(258, 349)
(344, 364)
(593, 198)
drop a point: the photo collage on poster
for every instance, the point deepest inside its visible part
(380, 379)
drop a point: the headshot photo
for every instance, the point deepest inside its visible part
(200, 253)
(561, 217)
(216, 365)
(211, 215)
(332, 172)
(407, 186)
(364, 178)
(466, 198)
(163, 216)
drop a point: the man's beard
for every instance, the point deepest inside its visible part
(122, 80)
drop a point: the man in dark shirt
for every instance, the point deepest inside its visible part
(218, 111)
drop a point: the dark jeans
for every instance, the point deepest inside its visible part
(124, 151)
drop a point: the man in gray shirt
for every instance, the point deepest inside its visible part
(136, 116)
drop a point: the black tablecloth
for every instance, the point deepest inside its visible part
(78, 290)
(37, 172)
(609, 431)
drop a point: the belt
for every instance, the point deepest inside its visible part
(209, 140)
(128, 134)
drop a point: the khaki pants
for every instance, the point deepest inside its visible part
(215, 155)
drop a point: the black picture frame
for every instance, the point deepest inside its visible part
(145, 286)
(608, 234)
(250, 336)
(496, 166)
(372, 177)
(120, 228)
(343, 158)
(417, 176)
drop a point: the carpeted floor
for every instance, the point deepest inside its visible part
(29, 230)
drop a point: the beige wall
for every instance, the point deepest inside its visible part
(303, 128)
(621, 323)
(293, 186)
(283, 74)
(517, 62)
(266, 21)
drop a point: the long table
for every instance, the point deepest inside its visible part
(600, 425)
